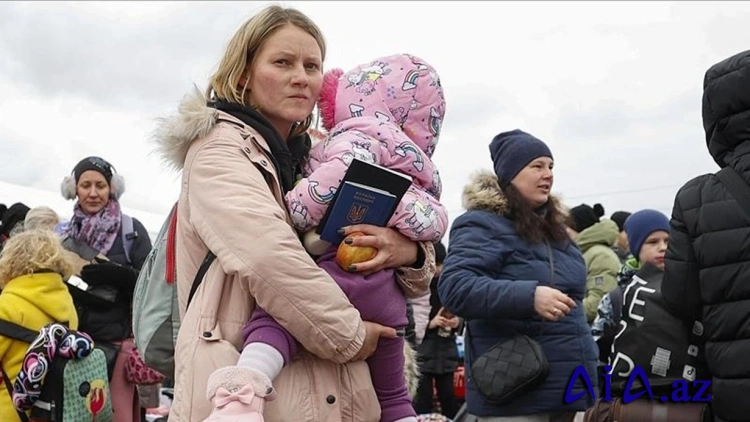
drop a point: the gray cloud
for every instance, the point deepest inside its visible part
(657, 151)
(136, 64)
(615, 119)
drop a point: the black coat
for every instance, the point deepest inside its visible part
(139, 251)
(110, 319)
(437, 355)
(708, 261)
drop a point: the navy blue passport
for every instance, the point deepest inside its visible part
(368, 194)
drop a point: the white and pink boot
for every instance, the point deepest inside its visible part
(238, 394)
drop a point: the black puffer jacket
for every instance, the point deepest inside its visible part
(708, 260)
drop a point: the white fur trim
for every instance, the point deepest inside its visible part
(173, 135)
(117, 186)
(68, 188)
(411, 369)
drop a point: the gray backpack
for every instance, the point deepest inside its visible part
(156, 313)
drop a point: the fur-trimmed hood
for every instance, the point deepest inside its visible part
(174, 134)
(483, 193)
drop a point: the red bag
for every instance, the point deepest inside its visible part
(138, 373)
(459, 383)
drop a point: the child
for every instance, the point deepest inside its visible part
(648, 233)
(32, 268)
(388, 112)
(647, 336)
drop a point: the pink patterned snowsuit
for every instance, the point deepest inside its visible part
(387, 112)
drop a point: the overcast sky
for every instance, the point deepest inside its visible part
(613, 87)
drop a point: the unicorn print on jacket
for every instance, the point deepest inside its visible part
(388, 112)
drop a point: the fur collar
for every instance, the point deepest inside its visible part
(483, 193)
(174, 134)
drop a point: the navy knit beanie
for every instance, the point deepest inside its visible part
(640, 225)
(514, 150)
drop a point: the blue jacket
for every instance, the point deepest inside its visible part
(489, 277)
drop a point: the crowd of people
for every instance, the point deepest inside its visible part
(279, 330)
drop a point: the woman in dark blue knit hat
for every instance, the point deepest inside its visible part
(512, 270)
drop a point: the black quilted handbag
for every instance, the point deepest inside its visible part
(512, 367)
(509, 369)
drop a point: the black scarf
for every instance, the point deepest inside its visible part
(287, 156)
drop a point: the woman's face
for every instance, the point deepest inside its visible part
(286, 77)
(92, 190)
(534, 182)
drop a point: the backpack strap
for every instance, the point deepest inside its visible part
(736, 186)
(16, 332)
(128, 235)
(9, 387)
(170, 267)
(205, 265)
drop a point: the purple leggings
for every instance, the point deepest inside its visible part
(378, 299)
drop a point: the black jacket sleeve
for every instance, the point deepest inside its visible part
(680, 287)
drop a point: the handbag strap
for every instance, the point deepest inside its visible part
(736, 186)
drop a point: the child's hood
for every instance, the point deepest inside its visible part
(401, 89)
(46, 291)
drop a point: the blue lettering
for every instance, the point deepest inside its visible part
(637, 380)
(607, 383)
(703, 386)
(580, 372)
(627, 395)
(680, 392)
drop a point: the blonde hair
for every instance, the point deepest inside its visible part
(30, 252)
(244, 46)
(41, 218)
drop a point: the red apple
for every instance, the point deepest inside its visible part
(347, 255)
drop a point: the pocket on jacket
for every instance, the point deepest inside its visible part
(295, 401)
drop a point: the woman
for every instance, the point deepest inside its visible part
(32, 268)
(97, 219)
(239, 151)
(99, 229)
(511, 269)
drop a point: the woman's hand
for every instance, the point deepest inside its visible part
(552, 304)
(394, 249)
(373, 332)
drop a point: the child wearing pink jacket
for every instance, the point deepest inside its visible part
(388, 112)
